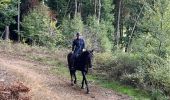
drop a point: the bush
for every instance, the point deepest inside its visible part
(148, 44)
(36, 26)
(158, 95)
(126, 64)
(104, 59)
(147, 71)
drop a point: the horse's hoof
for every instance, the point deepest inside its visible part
(72, 84)
(87, 92)
(82, 87)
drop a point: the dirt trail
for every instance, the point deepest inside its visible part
(47, 86)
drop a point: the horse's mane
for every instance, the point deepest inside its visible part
(83, 56)
(84, 53)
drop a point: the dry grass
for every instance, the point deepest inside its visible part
(19, 49)
(15, 91)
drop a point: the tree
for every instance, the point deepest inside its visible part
(40, 28)
(71, 26)
(27, 5)
(18, 20)
(8, 10)
(62, 7)
(128, 14)
(157, 24)
(36, 24)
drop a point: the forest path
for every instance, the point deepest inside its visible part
(45, 85)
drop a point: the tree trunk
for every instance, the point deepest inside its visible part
(79, 6)
(6, 32)
(19, 35)
(75, 14)
(95, 7)
(133, 29)
(118, 25)
(99, 11)
(121, 23)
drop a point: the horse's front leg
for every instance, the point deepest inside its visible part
(75, 81)
(82, 86)
(84, 76)
(71, 74)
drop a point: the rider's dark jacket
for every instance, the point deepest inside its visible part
(78, 46)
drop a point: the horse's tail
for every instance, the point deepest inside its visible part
(69, 59)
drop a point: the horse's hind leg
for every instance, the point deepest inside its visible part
(84, 78)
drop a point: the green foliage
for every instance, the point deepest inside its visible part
(8, 9)
(70, 27)
(98, 34)
(131, 19)
(60, 6)
(36, 22)
(4, 3)
(147, 71)
(149, 44)
(106, 30)
(151, 72)
(88, 9)
(158, 95)
(104, 60)
(76, 24)
(154, 27)
(92, 30)
(36, 26)
(106, 10)
(67, 8)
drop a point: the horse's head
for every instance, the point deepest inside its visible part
(89, 57)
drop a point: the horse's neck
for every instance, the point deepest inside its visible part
(82, 57)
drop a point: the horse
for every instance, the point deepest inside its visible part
(82, 63)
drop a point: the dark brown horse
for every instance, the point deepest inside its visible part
(82, 63)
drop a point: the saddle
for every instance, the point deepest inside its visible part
(75, 59)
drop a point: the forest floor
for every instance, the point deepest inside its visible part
(45, 85)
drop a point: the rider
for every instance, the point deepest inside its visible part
(77, 46)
